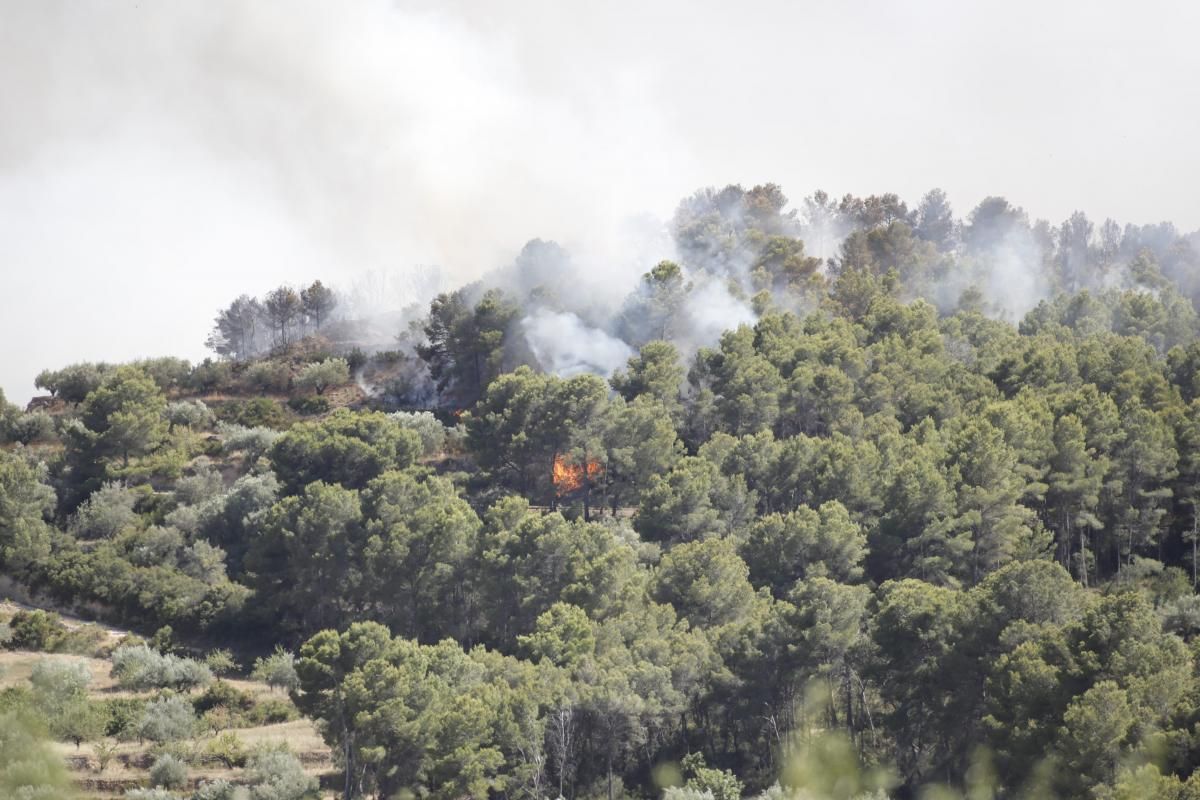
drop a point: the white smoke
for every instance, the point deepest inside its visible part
(170, 157)
(564, 345)
(1014, 280)
(709, 310)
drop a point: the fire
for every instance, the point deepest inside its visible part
(568, 476)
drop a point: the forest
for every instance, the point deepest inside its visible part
(843, 500)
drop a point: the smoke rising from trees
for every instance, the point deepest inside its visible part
(228, 148)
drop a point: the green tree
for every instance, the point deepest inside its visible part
(420, 533)
(320, 375)
(306, 559)
(783, 548)
(124, 416)
(655, 371)
(317, 302)
(706, 582)
(25, 502)
(348, 448)
(465, 343)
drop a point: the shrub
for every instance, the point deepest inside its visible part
(277, 670)
(167, 719)
(272, 711)
(168, 372)
(279, 775)
(56, 679)
(425, 425)
(204, 482)
(220, 790)
(324, 374)
(105, 751)
(150, 794)
(72, 383)
(309, 405)
(228, 749)
(255, 412)
(356, 359)
(139, 667)
(168, 772)
(107, 512)
(121, 716)
(210, 375)
(267, 376)
(36, 630)
(189, 414)
(36, 426)
(253, 441)
(721, 784)
(220, 662)
(223, 693)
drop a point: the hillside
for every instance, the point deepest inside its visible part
(922, 512)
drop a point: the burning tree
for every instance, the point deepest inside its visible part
(569, 476)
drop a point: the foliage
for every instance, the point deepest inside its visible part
(346, 448)
(168, 772)
(28, 767)
(140, 667)
(322, 375)
(166, 719)
(277, 670)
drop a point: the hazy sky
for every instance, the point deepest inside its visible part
(159, 158)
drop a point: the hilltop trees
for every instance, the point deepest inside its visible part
(250, 327)
(465, 342)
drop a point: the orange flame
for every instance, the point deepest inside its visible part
(569, 477)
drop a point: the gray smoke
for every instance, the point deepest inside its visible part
(565, 345)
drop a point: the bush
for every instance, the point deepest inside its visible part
(36, 426)
(189, 414)
(168, 772)
(309, 405)
(167, 719)
(721, 784)
(272, 711)
(122, 716)
(220, 790)
(322, 375)
(228, 749)
(267, 376)
(140, 667)
(150, 794)
(223, 693)
(168, 372)
(356, 359)
(209, 375)
(55, 680)
(220, 662)
(279, 775)
(204, 483)
(277, 670)
(425, 425)
(37, 630)
(255, 442)
(72, 383)
(107, 512)
(255, 412)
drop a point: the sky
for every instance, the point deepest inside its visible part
(158, 159)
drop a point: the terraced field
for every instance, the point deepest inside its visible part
(106, 768)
